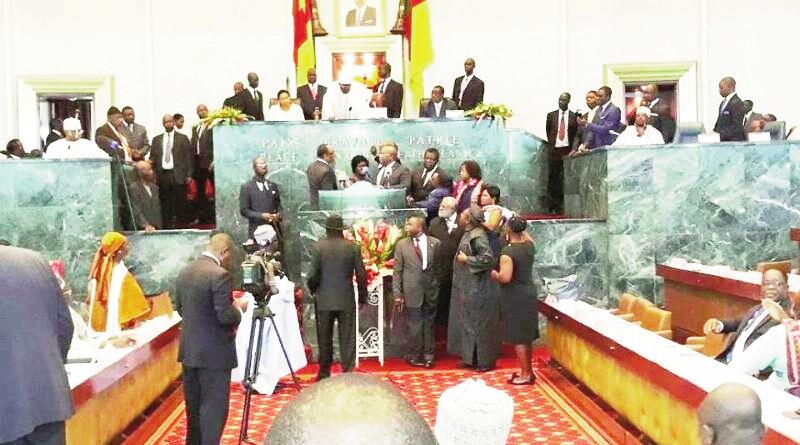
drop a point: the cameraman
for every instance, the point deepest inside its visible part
(260, 200)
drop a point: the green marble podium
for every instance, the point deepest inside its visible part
(728, 203)
(362, 198)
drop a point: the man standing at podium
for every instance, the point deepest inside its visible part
(311, 96)
(320, 174)
(392, 174)
(468, 89)
(391, 92)
(730, 120)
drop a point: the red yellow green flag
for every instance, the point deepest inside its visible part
(304, 57)
(417, 31)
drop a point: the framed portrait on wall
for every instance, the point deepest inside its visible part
(360, 17)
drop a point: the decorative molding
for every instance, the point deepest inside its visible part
(69, 83)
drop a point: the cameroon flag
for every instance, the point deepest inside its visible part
(417, 31)
(304, 57)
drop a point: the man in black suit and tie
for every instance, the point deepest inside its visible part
(391, 92)
(756, 322)
(445, 228)
(392, 174)
(421, 185)
(145, 199)
(320, 174)
(207, 349)
(363, 15)
(660, 113)
(311, 96)
(235, 101)
(561, 126)
(203, 167)
(35, 335)
(468, 89)
(438, 105)
(334, 261)
(730, 121)
(416, 288)
(260, 199)
(171, 155)
(56, 132)
(252, 99)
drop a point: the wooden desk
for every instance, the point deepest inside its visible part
(114, 397)
(694, 297)
(652, 382)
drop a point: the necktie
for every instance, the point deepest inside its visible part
(417, 250)
(561, 127)
(385, 177)
(722, 105)
(383, 87)
(168, 149)
(426, 177)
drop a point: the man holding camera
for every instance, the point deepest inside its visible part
(334, 260)
(207, 351)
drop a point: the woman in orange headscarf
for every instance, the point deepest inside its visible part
(115, 298)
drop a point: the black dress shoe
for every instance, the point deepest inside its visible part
(429, 364)
(418, 363)
(483, 369)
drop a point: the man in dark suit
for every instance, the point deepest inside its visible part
(202, 143)
(171, 155)
(446, 229)
(391, 92)
(468, 89)
(235, 101)
(136, 135)
(334, 261)
(56, 132)
(750, 116)
(606, 119)
(392, 174)
(421, 185)
(260, 199)
(561, 126)
(109, 136)
(660, 113)
(756, 321)
(35, 335)
(208, 342)
(145, 199)
(438, 105)
(730, 121)
(320, 174)
(252, 99)
(416, 288)
(363, 15)
(311, 96)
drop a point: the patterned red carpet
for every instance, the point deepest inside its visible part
(537, 418)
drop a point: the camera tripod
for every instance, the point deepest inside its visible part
(260, 314)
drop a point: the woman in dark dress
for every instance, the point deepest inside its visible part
(518, 297)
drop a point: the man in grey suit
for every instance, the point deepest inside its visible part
(208, 341)
(135, 134)
(321, 175)
(416, 287)
(145, 200)
(334, 261)
(35, 335)
(392, 174)
(438, 105)
(171, 155)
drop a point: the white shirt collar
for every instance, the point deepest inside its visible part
(212, 256)
(388, 166)
(452, 218)
(655, 101)
(730, 96)
(603, 108)
(323, 161)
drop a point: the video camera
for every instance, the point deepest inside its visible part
(261, 265)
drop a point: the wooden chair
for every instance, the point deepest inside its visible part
(711, 345)
(783, 266)
(638, 311)
(658, 320)
(625, 304)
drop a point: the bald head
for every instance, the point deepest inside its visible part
(731, 415)
(355, 409)
(223, 247)
(144, 170)
(727, 86)
(202, 111)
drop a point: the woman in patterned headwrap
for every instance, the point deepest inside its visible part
(115, 298)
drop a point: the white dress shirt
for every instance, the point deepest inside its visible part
(422, 239)
(767, 351)
(428, 174)
(464, 84)
(451, 222)
(738, 346)
(725, 101)
(385, 170)
(384, 84)
(437, 108)
(630, 137)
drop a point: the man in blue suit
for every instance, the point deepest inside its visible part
(607, 118)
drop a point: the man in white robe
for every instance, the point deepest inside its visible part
(73, 146)
(640, 133)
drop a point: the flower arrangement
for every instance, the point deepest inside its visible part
(225, 116)
(491, 111)
(377, 241)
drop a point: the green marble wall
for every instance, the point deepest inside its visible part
(58, 208)
(729, 204)
(157, 258)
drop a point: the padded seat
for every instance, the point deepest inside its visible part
(710, 345)
(625, 304)
(658, 321)
(638, 310)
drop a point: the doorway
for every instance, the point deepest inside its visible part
(61, 106)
